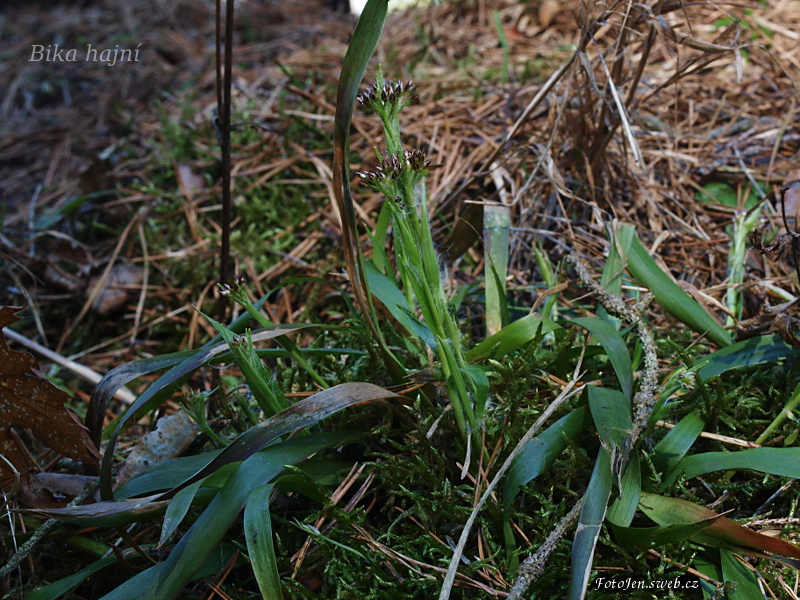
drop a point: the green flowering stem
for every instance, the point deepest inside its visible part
(400, 177)
(387, 99)
(265, 390)
(196, 409)
(238, 294)
(244, 406)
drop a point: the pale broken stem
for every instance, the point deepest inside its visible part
(123, 394)
(724, 439)
(568, 392)
(88, 490)
(533, 566)
(622, 114)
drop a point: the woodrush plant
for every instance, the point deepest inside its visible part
(400, 177)
(238, 293)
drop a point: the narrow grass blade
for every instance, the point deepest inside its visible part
(106, 514)
(512, 337)
(480, 387)
(123, 374)
(784, 462)
(136, 587)
(589, 523)
(501, 34)
(674, 446)
(120, 376)
(386, 290)
(786, 412)
(421, 330)
(60, 588)
(611, 413)
(238, 293)
(623, 509)
(165, 476)
(744, 223)
(304, 413)
(176, 511)
(708, 565)
(744, 583)
(612, 342)
(311, 478)
(318, 536)
(721, 532)
(672, 298)
(541, 451)
(363, 44)
(748, 353)
(642, 538)
(620, 236)
(568, 392)
(208, 531)
(379, 258)
(512, 552)
(265, 391)
(260, 547)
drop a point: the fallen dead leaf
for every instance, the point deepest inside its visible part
(189, 181)
(116, 291)
(30, 401)
(791, 198)
(69, 484)
(548, 10)
(787, 322)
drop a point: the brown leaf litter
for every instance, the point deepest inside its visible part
(701, 110)
(30, 401)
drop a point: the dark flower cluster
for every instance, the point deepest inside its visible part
(390, 92)
(387, 169)
(416, 160)
(392, 167)
(239, 283)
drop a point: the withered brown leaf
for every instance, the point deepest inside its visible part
(30, 401)
(786, 322)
